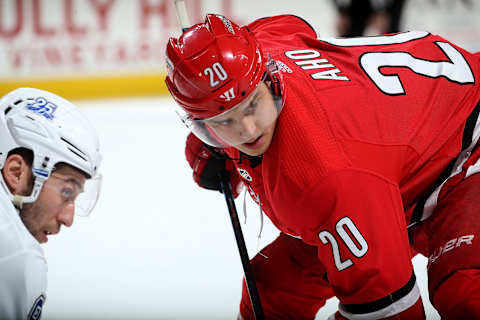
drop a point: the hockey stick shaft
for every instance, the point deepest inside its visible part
(184, 22)
(182, 15)
(242, 249)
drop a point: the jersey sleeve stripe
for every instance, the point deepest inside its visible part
(470, 125)
(423, 210)
(392, 304)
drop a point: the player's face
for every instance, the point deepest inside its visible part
(258, 145)
(55, 205)
(250, 127)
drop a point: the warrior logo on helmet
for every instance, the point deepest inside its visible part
(228, 95)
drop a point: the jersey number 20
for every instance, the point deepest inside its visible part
(456, 70)
(358, 249)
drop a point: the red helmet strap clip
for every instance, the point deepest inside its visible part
(272, 70)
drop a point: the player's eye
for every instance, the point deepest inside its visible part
(250, 110)
(252, 106)
(223, 123)
(68, 193)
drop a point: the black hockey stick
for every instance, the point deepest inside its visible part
(242, 249)
(226, 187)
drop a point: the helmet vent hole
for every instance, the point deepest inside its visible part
(17, 102)
(221, 108)
(75, 150)
(243, 93)
(77, 154)
(8, 109)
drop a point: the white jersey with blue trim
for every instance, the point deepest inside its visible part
(23, 267)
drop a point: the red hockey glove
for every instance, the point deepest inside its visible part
(206, 165)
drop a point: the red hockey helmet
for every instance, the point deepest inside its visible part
(213, 66)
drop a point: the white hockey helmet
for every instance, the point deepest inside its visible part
(56, 132)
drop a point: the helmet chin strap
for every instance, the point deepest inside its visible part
(272, 70)
(18, 201)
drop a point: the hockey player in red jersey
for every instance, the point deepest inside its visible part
(357, 149)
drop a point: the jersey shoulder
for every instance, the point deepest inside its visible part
(14, 236)
(281, 26)
(23, 265)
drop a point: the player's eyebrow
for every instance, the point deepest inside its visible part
(76, 182)
(71, 179)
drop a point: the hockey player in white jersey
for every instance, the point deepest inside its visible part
(49, 160)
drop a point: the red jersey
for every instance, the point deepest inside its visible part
(368, 126)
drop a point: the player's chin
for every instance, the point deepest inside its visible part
(41, 236)
(253, 149)
(252, 153)
(258, 146)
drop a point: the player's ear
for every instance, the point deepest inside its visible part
(16, 173)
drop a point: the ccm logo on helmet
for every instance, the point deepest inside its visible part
(43, 107)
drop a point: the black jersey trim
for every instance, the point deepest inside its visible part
(466, 141)
(418, 210)
(470, 127)
(383, 302)
(254, 161)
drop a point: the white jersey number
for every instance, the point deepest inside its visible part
(358, 249)
(456, 70)
(215, 72)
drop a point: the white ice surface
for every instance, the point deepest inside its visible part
(156, 246)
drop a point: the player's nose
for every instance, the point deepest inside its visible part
(248, 127)
(66, 215)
